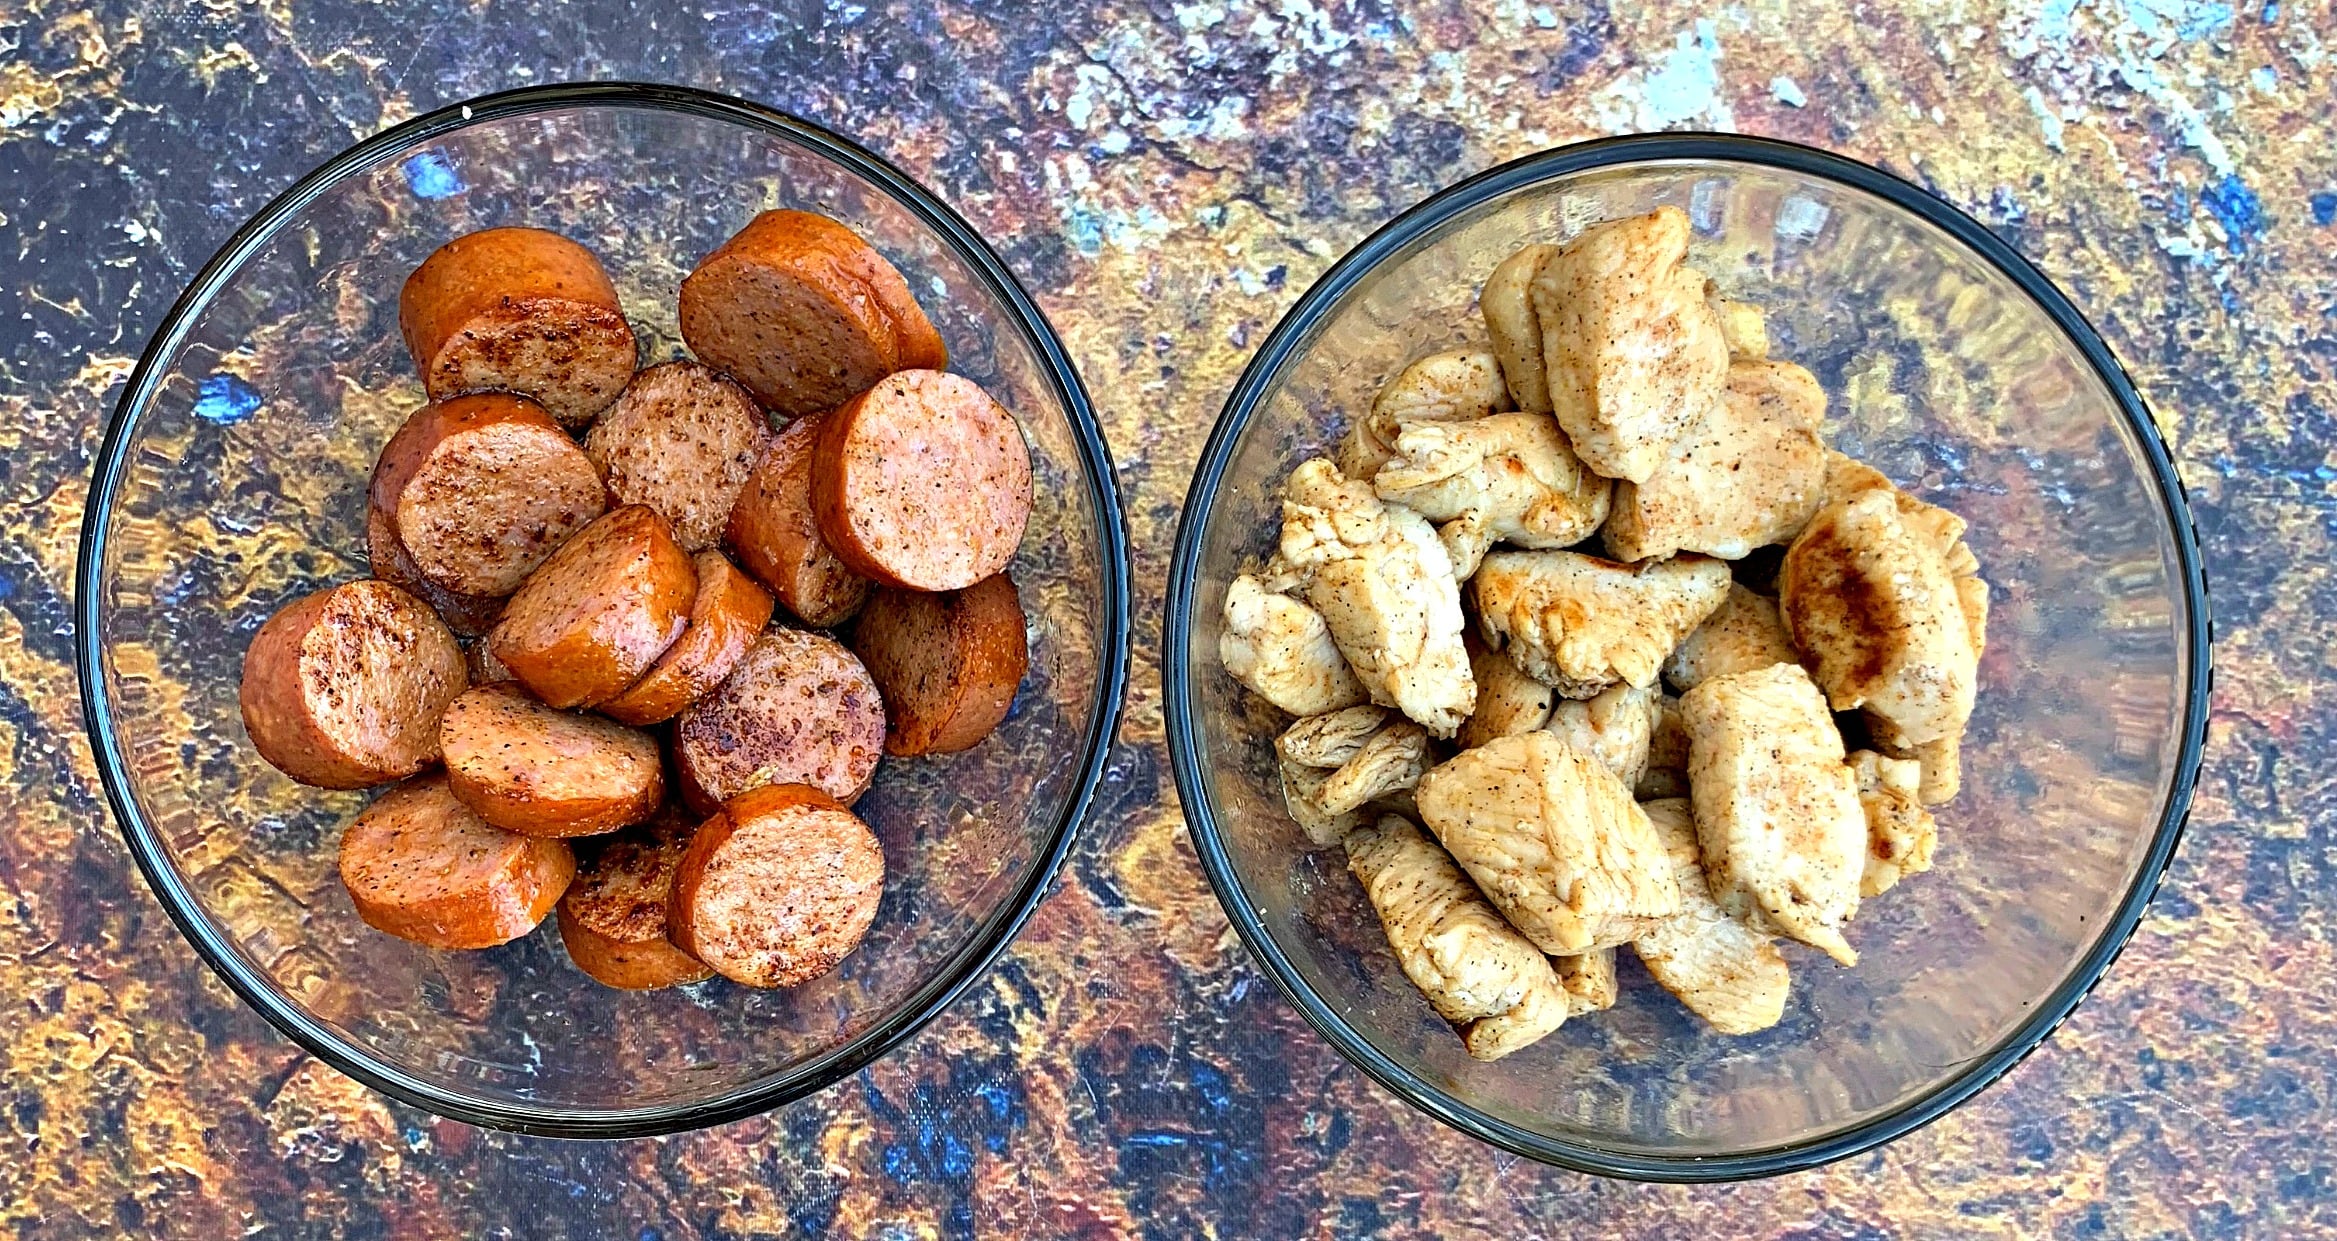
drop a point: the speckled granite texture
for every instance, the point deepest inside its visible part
(1167, 178)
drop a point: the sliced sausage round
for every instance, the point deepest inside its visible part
(681, 440)
(778, 888)
(798, 709)
(421, 866)
(727, 614)
(615, 917)
(922, 482)
(343, 688)
(600, 611)
(776, 538)
(529, 768)
(467, 615)
(947, 664)
(805, 313)
(481, 489)
(518, 310)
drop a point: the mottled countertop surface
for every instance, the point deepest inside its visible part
(1178, 173)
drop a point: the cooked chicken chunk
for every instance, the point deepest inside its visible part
(1390, 760)
(1302, 792)
(1476, 971)
(1632, 352)
(1330, 739)
(1614, 728)
(1748, 473)
(1724, 971)
(1667, 754)
(1940, 762)
(1442, 387)
(1589, 979)
(1900, 833)
(1282, 650)
(1508, 477)
(1508, 701)
(1580, 623)
(1777, 813)
(1384, 585)
(1743, 635)
(1508, 305)
(1846, 476)
(1742, 324)
(1553, 839)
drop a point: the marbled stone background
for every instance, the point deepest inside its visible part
(1167, 178)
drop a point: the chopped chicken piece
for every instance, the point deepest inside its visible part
(1330, 739)
(1631, 350)
(1509, 477)
(1748, 473)
(1580, 623)
(1742, 324)
(1391, 760)
(1384, 585)
(1589, 979)
(1723, 971)
(1476, 971)
(1614, 728)
(1900, 833)
(1869, 602)
(1302, 792)
(1777, 813)
(1508, 701)
(1846, 476)
(1941, 762)
(1743, 635)
(1282, 650)
(1442, 387)
(1508, 304)
(1667, 754)
(1553, 839)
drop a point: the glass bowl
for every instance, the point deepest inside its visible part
(1958, 369)
(232, 480)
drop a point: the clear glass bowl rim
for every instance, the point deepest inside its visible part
(1187, 757)
(939, 992)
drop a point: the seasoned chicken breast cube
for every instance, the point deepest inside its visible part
(1940, 763)
(1632, 352)
(1667, 754)
(1580, 623)
(1742, 324)
(1382, 582)
(1900, 834)
(1330, 739)
(1614, 727)
(1508, 305)
(1589, 979)
(1282, 650)
(1724, 971)
(1508, 477)
(1477, 972)
(1748, 473)
(1302, 793)
(1443, 387)
(1553, 839)
(1777, 813)
(1744, 634)
(1508, 701)
(1388, 757)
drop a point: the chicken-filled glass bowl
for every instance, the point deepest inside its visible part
(234, 481)
(1686, 657)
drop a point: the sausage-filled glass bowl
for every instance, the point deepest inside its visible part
(233, 479)
(1955, 367)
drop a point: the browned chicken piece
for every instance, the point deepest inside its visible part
(1508, 701)
(1614, 727)
(1632, 352)
(1743, 635)
(1846, 476)
(1748, 473)
(1722, 970)
(1477, 972)
(1330, 739)
(1554, 841)
(1742, 324)
(1900, 834)
(1386, 759)
(1382, 581)
(1667, 754)
(1508, 477)
(1302, 793)
(1589, 979)
(1507, 302)
(1777, 815)
(1580, 623)
(1940, 763)
(1456, 386)
(1282, 650)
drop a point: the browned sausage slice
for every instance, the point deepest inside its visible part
(798, 709)
(531, 769)
(681, 440)
(421, 866)
(614, 919)
(778, 888)
(480, 489)
(467, 615)
(730, 609)
(947, 664)
(805, 313)
(922, 482)
(343, 688)
(520, 310)
(600, 611)
(776, 538)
